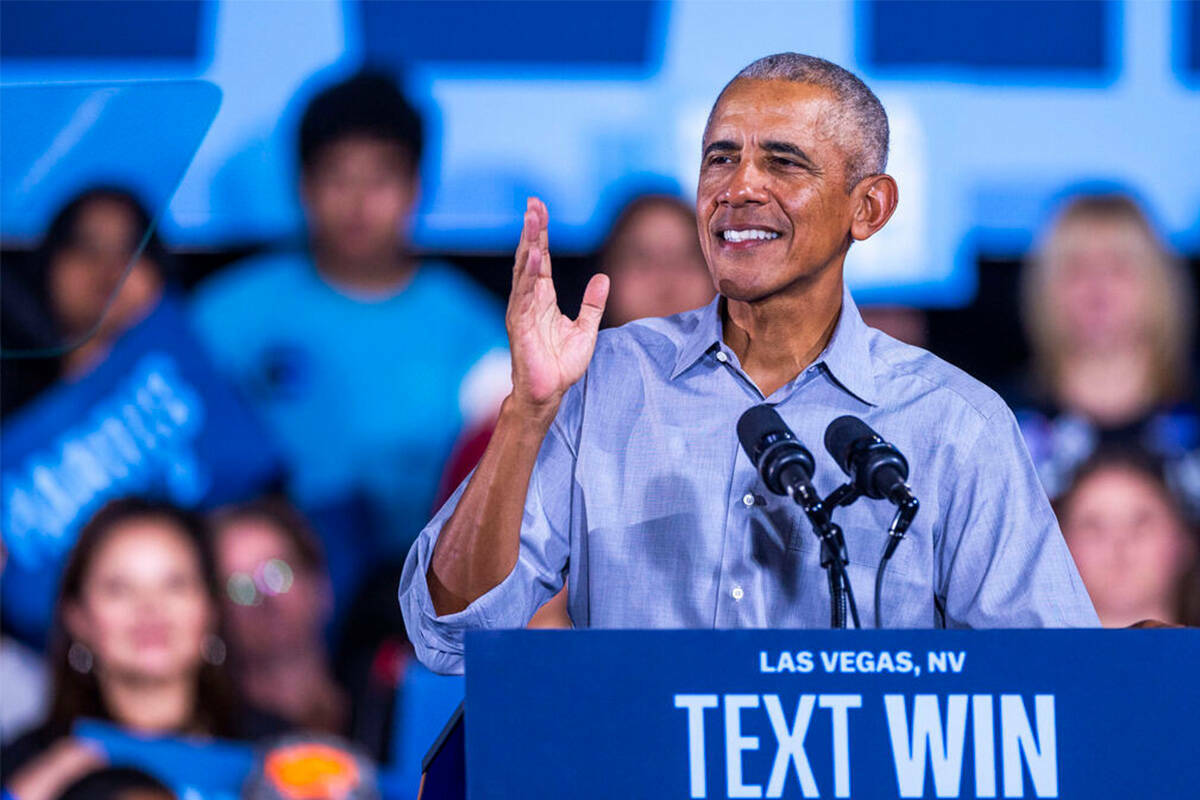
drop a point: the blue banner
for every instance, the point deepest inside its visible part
(869, 714)
(154, 419)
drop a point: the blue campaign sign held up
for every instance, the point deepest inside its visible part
(868, 714)
(154, 419)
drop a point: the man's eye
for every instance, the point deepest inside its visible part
(784, 162)
(720, 159)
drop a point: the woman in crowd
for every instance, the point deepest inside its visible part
(88, 259)
(278, 600)
(136, 643)
(1109, 316)
(652, 254)
(1134, 547)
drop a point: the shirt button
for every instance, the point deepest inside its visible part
(737, 593)
(721, 356)
(748, 499)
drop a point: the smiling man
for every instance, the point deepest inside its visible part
(615, 466)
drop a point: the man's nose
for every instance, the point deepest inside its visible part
(747, 185)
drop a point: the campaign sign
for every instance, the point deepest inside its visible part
(866, 714)
(154, 419)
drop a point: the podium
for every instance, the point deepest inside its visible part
(856, 714)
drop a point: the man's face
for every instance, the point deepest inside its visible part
(771, 205)
(359, 196)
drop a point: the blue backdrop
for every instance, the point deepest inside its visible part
(996, 107)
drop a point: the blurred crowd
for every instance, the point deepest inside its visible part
(212, 582)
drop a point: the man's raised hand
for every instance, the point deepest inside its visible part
(549, 350)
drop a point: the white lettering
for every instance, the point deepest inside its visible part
(736, 744)
(985, 745)
(695, 705)
(839, 705)
(945, 753)
(1040, 752)
(791, 745)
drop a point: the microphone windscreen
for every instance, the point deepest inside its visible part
(840, 437)
(755, 425)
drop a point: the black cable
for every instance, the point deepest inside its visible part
(900, 522)
(883, 562)
(850, 597)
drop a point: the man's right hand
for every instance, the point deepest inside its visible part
(550, 351)
(480, 542)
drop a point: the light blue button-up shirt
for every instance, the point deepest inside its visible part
(644, 503)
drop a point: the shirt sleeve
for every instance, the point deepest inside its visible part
(1003, 562)
(538, 575)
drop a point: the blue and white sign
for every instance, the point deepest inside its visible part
(154, 419)
(870, 714)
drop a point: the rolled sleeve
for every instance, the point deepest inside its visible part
(538, 575)
(1004, 563)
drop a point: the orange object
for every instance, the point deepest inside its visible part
(311, 771)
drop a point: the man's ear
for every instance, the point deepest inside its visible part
(875, 198)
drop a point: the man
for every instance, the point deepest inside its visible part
(365, 361)
(620, 471)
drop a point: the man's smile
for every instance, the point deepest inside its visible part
(745, 237)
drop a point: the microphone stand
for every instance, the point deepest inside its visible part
(846, 494)
(833, 554)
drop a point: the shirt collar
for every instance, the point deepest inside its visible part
(847, 357)
(700, 339)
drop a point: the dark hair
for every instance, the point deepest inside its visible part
(283, 517)
(61, 233)
(78, 694)
(111, 783)
(1151, 468)
(367, 104)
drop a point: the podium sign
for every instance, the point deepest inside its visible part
(857, 714)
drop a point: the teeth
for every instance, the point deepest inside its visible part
(744, 236)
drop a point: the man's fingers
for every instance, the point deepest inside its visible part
(543, 214)
(594, 298)
(529, 228)
(535, 264)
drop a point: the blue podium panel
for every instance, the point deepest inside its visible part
(867, 714)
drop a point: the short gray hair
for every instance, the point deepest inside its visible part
(861, 110)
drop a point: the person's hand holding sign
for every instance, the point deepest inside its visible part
(478, 546)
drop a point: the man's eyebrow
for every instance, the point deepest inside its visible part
(786, 147)
(721, 145)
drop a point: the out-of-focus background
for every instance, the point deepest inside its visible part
(255, 255)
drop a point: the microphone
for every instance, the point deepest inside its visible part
(876, 468)
(785, 465)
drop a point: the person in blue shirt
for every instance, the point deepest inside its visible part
(364, 360)
(615, 467)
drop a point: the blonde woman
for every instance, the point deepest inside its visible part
(1109, 314)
